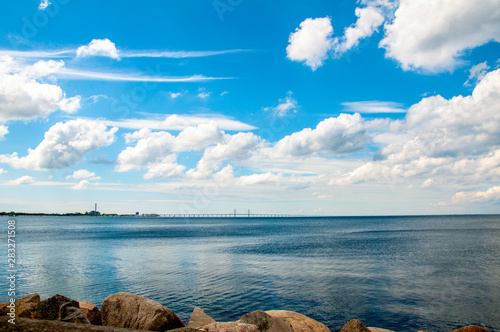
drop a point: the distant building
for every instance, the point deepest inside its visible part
(93, 213)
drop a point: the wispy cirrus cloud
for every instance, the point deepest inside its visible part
(179, 122)
(176, 54)
(374, 106)
(78, 74)
(39, 54)
(106, 48)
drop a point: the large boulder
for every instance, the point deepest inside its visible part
(72, 314)
(4, 309)
(137, 312)
(472, 328)
(49, 309)
(230, 327)
(354, 325)
(199, 318)
(299, 322)
(266, 323)
(91, 312)
(26, 305)
(377, 329)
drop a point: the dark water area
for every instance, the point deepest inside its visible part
(432, 273)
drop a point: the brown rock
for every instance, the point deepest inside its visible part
(354, 325)
(25, 306)
(299, 322)
(230, 327)
(4, 308)
(266, 323)
(472, 328)
(137, 312)
(199, 318)
(376, 329)
(49, 308)
(186, 329)
(91, 312)
(36, 325)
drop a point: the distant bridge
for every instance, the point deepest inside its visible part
(229, 215)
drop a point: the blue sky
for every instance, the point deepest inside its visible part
(362, 107)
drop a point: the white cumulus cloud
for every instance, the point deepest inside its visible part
(82, 185)
(477, 73)
(157, 150)
(457, 139)
(64, 145)
(4, 130)
(175, 95)
(25, 95)
(369, 19)
(266, 178)
(433, 34)
(465, 197)
(343, 134)
(165, 168)
(23, 180)
(286, 106)
(82, 174)
(311, 42)
(98, 47)
(231, 147)
(44, 4)
(204, 95)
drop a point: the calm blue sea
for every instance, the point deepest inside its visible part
(433, 273)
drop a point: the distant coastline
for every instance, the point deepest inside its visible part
(220, 215)
(75, 214)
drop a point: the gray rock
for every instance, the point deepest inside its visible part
(91, 312)
(230, 327)
(49, 308)
(199, 318)
(354, 325)
(71, 314)
(299, 322)
(137, 312)
(266, 323)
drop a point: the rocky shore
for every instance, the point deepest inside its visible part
(123, 312)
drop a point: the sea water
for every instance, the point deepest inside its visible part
(433, 273)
